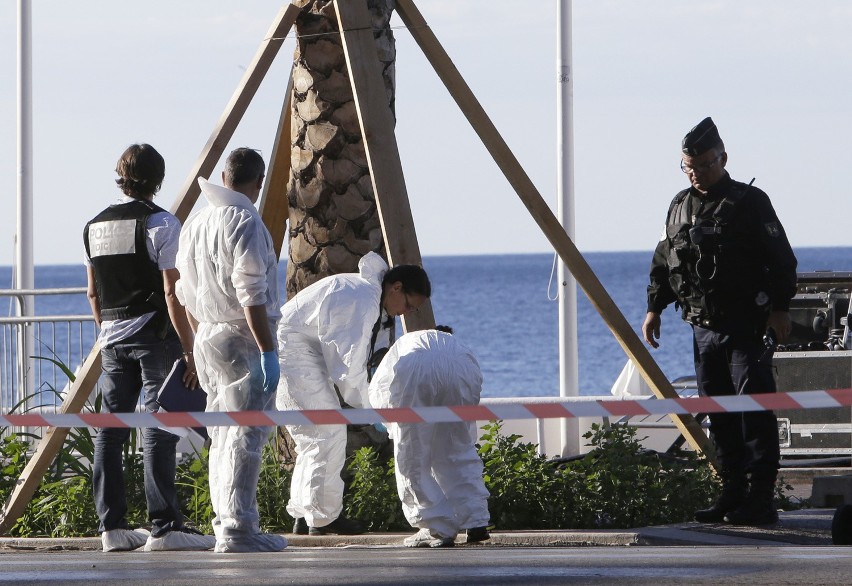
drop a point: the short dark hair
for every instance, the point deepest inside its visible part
(244, 165)
(413, 278)
(445, 329)
(140, 170)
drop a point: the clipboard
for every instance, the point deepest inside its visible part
(175, 397)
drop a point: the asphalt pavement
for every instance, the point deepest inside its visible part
(797, 550)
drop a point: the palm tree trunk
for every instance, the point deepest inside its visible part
(333, 217)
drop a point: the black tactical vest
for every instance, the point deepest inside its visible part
(713, 268)
(128, 282)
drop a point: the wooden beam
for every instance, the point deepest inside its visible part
(50, 443)
(377, 130)
(542, 214)
(273, 206)
(224, 130)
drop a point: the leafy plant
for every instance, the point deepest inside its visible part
(64, 508)
(619, 484)
(14, 453)
(784, 501)
(519, 479)
(372, 497)
(273, 492)
(192, 480)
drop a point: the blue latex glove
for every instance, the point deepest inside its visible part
(380, 427)
(271, 370)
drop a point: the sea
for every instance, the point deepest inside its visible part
(504, 308)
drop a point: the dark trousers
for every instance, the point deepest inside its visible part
(737, 364)
(137, 364)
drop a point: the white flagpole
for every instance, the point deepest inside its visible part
(24, 229)
(568, 357)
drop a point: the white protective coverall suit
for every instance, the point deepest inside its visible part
(227, 262)
(438, 471)
(324, 339)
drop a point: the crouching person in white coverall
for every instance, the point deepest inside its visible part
(327, 334)
(438, 471)
(229, 286)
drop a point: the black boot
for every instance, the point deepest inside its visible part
(300, 526)
(340, 526)
(758, 508)
(733, 495)
(475, 534)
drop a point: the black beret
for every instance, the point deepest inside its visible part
(701, 139)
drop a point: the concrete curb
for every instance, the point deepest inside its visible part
(805, 527)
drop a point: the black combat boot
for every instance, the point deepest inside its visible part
(300, 526)
(733, 495)
(340, 526)
(758, 508)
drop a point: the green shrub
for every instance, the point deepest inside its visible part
(64, 508)
(617, 484)
(372, 497)
(13, 451)
(519, 479)
(273, 492)
(192, 480)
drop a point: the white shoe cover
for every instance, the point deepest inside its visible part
(180, 541)
(424, 538)
(123, 539)
(257, 542)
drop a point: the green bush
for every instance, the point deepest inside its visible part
(372, 496)
(192, 480)
(617, 484)
(521, 481)
(273, 492)
(64, 508)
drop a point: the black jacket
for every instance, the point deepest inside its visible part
(724, 256)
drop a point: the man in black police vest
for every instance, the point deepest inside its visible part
(725, 261)
(131, 248)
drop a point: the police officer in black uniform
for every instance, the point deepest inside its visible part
(725, 261)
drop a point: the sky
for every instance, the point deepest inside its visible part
(775, 75)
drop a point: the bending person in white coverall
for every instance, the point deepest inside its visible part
(326, 336)
(438, 471)
(229, 285)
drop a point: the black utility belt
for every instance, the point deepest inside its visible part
(704, 322)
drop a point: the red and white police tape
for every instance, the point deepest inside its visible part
(495, 409)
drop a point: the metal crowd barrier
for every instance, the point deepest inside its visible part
(35, 352)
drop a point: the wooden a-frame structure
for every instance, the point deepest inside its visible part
(377, 128)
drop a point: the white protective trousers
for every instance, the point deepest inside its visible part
(438, 471)
(228, 362)
(324, 340)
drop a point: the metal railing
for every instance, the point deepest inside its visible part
(38, 352)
